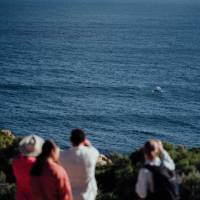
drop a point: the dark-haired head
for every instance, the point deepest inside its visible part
(47, 147)
(77, 137)
(49, 151)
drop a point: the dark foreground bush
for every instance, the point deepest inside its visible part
(116, 180)
(7, 190)
(8, 149)
(190, 187)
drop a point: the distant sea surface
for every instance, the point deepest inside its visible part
(125, 71)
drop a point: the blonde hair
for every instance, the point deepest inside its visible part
(151, 149)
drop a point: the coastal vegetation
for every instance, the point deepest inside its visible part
(116, 179)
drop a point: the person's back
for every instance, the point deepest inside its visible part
(49, 181)
(146, 186)
(21, 168)
(52, 183)
(80, 161)
(164, 183)
(30, 147)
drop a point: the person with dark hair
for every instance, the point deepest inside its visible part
(49, 181)
(80, 161)
(156, 178)
(77, 136)
(29, 147)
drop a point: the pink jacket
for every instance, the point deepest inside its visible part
(21, 168)
(53, 184)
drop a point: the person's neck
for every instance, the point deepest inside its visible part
(80, 145)
(150, 159)
(51, 160)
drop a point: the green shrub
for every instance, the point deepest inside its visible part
(116, 180)
(190, 187)
(5, 141)
(7, 190)
(107, 196)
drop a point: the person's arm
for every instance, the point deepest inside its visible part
(64, 187)
(142, 185)
(166, 160)
(94, 152)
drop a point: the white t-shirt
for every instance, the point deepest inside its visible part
(80, 163)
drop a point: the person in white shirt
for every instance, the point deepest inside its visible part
(80, 161)
(155, 155)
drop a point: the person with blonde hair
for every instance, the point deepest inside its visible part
(156, 179)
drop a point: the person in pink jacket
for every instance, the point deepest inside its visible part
(30, 147)
(49, 180)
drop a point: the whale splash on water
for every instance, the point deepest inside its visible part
(158, 89)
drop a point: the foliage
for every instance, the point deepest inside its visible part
(7, 190)
(116, 180)
(5, 140)
(190, 187)
(8, 150)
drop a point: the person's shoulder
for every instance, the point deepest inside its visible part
(31, 160)
(95, 151)
(57, 170)
(90, 150)
(20, 159)
(66, 154)
(67, 151)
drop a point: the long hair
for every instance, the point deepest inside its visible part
(38, 166)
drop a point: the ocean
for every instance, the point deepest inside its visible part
(123, 70)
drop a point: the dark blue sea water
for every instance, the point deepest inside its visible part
(96, 64)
